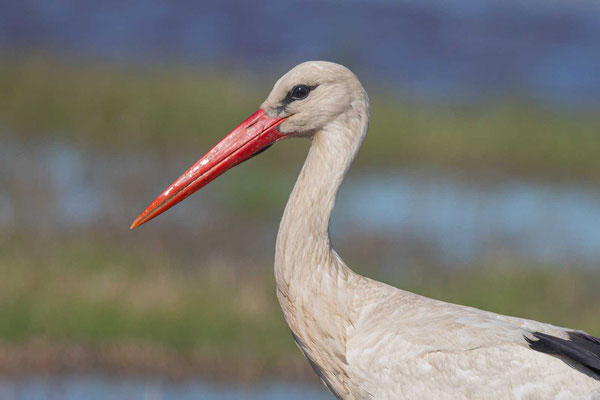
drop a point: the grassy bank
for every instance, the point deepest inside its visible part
(129, 307)
(131, 108)
(159, 303)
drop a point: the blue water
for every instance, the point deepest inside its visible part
(457, 218)
(549, 50)
(464, 219)
(103, 388)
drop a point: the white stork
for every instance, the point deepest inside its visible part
(365, 339)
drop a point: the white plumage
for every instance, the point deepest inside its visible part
(368, 340)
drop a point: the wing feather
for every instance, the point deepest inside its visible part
(579, 347)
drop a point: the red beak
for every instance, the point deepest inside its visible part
(251, 136)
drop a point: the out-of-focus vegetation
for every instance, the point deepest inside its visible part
(177, 107)
(102, 293)
(98, 293)
(98, 290)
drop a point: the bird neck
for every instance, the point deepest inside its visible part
(314, 286)
(303, 246)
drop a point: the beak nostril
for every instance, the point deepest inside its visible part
(252, 123)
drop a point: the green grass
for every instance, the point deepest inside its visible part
(160, 109)
(510, 137)
(102, 293)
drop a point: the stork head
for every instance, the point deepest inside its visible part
(311, 95)
(302, 102)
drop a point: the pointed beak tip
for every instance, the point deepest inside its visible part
(137, 222)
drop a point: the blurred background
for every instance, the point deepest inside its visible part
(478, 182)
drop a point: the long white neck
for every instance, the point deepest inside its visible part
(303, 250)
(314, 286)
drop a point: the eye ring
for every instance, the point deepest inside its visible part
(300, 92)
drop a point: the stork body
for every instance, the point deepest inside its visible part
(366, 339)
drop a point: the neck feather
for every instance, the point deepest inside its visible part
(303, 245)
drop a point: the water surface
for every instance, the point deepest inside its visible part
(458, 219)
(437, 50)
(103, 388)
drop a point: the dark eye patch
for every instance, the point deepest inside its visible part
(298, 92)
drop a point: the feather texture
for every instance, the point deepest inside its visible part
(368, 340)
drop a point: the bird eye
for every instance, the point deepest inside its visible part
(300, 92)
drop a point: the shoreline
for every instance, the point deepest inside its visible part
(42, 357)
